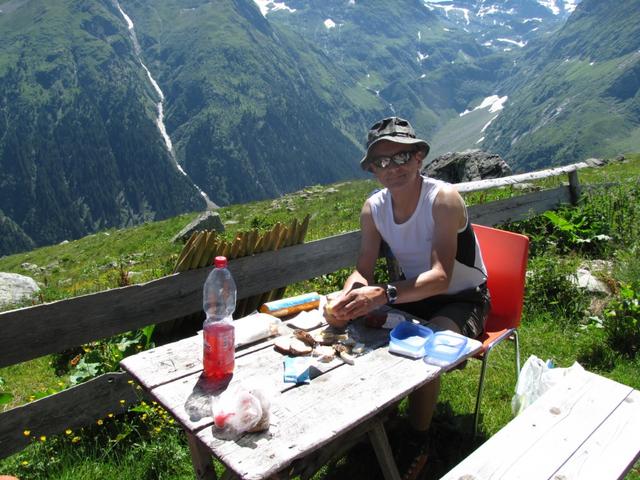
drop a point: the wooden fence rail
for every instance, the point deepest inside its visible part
(32, 332)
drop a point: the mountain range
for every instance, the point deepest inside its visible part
(506, 25)
(114, 113)
(575, 94)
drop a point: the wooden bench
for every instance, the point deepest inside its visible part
(587, 427)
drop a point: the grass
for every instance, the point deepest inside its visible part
(147, 444)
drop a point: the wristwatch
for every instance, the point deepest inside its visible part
(392, 294)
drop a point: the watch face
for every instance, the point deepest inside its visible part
(392, 293)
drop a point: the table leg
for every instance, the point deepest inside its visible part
(201, 459)
(380, 442)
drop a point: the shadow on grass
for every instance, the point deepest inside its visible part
(450, 441)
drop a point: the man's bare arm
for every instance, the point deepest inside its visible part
(362, 276)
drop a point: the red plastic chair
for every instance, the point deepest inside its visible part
(505, 256)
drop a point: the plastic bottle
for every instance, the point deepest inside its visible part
(219, 303)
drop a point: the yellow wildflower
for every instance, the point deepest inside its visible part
(122, 402)
(110, 415)
(100, 422)
(43, 438)
(75, 439)
(68, 431)
(25, 463)
(26, 433)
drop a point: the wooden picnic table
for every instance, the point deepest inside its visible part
(310, 423)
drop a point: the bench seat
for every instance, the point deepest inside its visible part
(584, 428)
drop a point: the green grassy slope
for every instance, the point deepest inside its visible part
(79, 147)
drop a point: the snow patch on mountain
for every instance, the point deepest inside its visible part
(490, 10)
(513, 42)
(328, 23)
(551, 5)
(494, 103)
(268, 6)
(570, 5)
(487, 124)
(449, 8)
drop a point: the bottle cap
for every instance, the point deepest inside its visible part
(220, 262)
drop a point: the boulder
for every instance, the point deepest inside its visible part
(16, 288)
(595, 162)
(467, 166)
(208, 220)
(586, 280)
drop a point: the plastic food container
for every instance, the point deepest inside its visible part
(409, 339)
(444, 348)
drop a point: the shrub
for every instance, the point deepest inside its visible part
(622, 321)
(551, 291)
(604, 219)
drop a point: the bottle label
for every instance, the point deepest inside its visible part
(219, 349)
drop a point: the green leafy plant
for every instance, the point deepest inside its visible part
(622, 321)
(551, 290)
(604, 220)
(104, 355)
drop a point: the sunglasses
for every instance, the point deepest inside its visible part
(399, 159)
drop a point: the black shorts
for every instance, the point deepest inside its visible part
(468, 309)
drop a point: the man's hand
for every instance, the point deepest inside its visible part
(332, 319)
(356, 303)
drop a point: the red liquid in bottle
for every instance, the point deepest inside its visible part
(219, 349)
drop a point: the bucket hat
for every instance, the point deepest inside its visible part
(393, 129)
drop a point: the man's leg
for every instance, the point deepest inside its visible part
(422, 402)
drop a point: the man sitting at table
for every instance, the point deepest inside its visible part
(426, 225)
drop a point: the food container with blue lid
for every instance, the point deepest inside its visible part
(409, 339)
(444, 348)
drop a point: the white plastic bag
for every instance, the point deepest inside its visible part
(535, 378)
(240, 409)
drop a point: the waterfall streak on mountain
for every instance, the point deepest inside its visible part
(160, 105)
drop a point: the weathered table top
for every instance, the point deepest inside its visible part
(586, 427)
(303, 417)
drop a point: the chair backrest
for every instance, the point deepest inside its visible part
(505, 256)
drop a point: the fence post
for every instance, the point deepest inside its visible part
(574, 187)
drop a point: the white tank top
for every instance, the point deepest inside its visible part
(411, 241)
